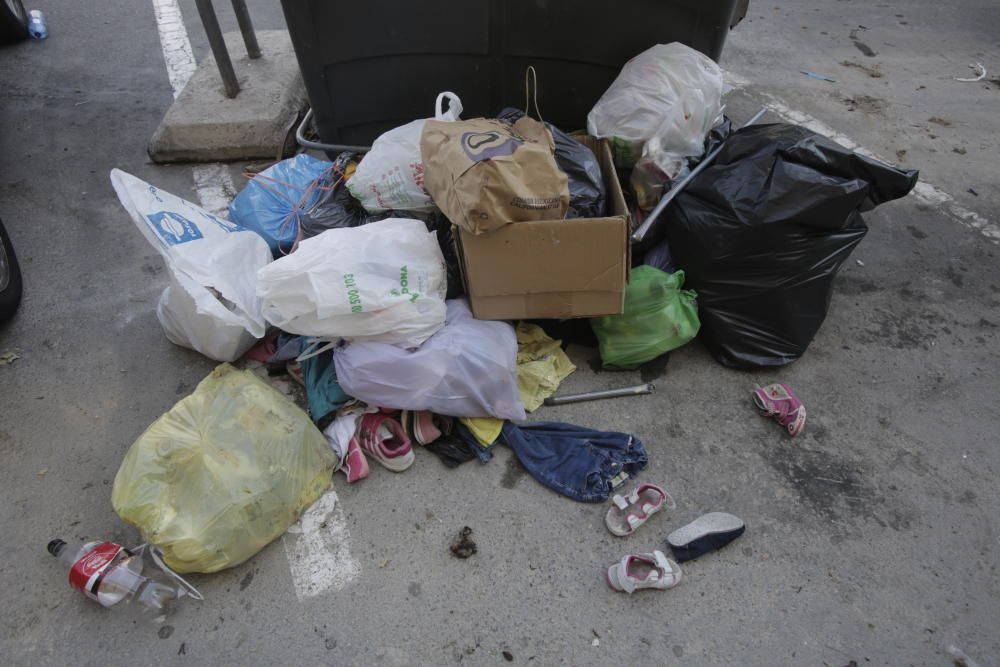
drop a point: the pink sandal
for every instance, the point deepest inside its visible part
(629, 512)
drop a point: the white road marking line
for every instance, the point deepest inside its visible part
(318, 547)
(215, 188)
(177, 53)
(924, 192)
(319, 557)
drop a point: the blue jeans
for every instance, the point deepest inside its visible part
(578, 462)
(483, 453)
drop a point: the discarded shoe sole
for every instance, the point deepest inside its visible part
(706, 533)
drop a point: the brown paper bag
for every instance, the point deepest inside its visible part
(484, 173)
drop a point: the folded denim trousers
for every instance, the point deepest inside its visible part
(581, 463)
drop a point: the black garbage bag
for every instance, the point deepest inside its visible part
(437, 222)
(719, 133)
(762, 232)
(654, 249)
(335, 207)
(587, 194)
(659, 256)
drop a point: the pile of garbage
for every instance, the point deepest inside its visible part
(409, 289)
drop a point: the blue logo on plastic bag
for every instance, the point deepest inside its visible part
(174, 228)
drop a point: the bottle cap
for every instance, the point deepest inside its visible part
(55, 546)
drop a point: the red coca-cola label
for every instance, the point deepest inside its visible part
(86, 573)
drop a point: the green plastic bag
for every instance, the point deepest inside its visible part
(222, 473)
(659, 316)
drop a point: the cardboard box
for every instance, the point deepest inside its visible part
(552, 268)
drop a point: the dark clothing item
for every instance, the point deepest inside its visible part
(482, 453)
(452, 450)
(578, 462)
(286, 347)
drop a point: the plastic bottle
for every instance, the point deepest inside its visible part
(113, 576)
(37, 26)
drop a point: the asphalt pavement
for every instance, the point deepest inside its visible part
(871, 539)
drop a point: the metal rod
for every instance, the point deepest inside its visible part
(211, 24)
(246, 27)
(640, 233)
(637, 390)
(320, 146)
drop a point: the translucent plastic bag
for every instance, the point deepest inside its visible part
(659, 316)
(270, 202)
(211, 304)
(222, 473)
(391, 175)
(661, 106)
(384, 281)
(467, 369)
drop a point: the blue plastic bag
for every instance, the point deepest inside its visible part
(271, 200)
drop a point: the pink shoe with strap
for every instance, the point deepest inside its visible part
(384, 439)
(778, 402)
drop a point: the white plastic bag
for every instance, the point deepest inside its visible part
(467, 369)
(383, 281)
(391, 176)
(661, 107)
(210, 305)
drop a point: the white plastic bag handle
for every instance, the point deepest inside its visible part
(454, 107)
(315, 347)
(157, 555)
(531, 77)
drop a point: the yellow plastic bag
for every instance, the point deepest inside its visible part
(224, 472)
(541, 365)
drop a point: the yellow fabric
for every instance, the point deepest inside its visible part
(486, 429)
(222, 473)
(541, 365)
(349, 170)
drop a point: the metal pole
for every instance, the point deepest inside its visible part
(211, 23)
(637, 390)
(246, 27)
(640, 233)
